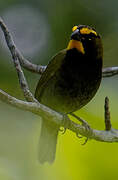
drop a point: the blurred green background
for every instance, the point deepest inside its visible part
(40, 29)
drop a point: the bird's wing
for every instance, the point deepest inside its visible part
(50, 71)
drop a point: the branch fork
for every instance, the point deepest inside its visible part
(32, 105)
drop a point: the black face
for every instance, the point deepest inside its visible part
(90, 39)
(83, 32)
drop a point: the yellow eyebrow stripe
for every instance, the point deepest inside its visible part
(87, 31)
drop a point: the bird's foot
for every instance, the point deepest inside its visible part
(85, 141)
(62, 130)
(78, 135)
(84, 123)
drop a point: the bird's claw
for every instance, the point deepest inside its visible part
(85, 124)
(86, 140)
(62, 130)
(79, 136)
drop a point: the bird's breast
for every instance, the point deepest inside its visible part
(74, 84)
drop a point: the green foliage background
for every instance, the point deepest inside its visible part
(19, 130)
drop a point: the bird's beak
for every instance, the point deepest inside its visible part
(75, 35)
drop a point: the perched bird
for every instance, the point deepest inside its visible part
(69, 82)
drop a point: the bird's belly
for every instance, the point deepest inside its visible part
(69, 97)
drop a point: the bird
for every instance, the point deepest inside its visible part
(70, 80)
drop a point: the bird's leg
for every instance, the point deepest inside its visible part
(84, 123)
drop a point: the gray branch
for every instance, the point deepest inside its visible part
(108, 135)
(12, 47)
(22, 80)
(109, 71)
(15, 57)
(64, 121)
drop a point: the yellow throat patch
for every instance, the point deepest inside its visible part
(76, 44)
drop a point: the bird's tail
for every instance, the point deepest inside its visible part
(48, 141)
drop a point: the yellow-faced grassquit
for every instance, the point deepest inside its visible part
(69, 82)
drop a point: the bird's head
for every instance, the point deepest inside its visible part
(86, 40)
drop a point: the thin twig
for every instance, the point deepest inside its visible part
(107, 115)
(12, 47)
(109, 71)
(22, 80)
